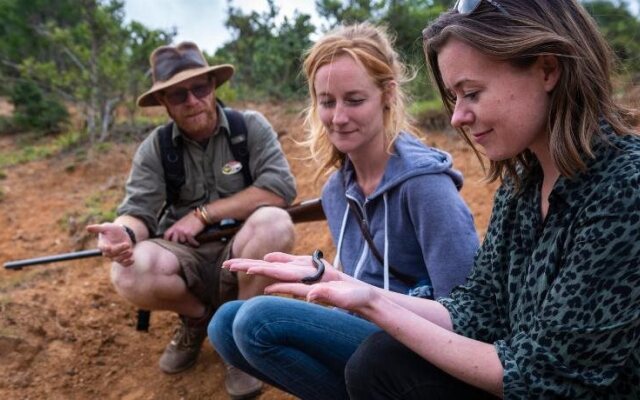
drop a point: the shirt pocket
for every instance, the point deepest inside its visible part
(230, 179)
(191, 193)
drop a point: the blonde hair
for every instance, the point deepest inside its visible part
(533, 28)
(371, 47)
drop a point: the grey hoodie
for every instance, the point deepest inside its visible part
(418, 221)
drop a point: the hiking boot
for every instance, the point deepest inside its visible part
(182, 352)
(241, 385)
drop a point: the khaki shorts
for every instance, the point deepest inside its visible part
(200, 267)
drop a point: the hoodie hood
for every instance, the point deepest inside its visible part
(410, 158)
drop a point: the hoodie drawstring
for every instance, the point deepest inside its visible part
(386, 243)
(336, 261)
(366, 248)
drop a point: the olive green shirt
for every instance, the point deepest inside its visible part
(205, 180)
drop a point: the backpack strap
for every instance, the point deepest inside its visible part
(237, 137)
(172, 163)
(362, 224)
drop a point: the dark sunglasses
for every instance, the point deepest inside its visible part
(178, 96)
(465, 7)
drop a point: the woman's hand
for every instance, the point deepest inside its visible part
(352, 295)
(283, 267)
(334, 287)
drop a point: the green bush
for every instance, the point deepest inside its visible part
(31, 148)
(68, 140)
(35, 110)
(6, 125)
(227, 93)
(430, 115)
(418, 108)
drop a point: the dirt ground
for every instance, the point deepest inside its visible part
(64, 333)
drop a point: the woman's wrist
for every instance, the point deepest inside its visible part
(375, 307)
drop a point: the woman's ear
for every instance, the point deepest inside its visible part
(550, 68)
(389, 94)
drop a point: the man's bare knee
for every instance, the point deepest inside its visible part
(122, 278)
(267, 230)
(150, 260)
(272, 223)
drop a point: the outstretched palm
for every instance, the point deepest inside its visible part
(282, 267)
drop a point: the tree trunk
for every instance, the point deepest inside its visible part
(94, 96)
(107, 116)
(91, 123)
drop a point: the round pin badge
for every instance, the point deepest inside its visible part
(232, 167)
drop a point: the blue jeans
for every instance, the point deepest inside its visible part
(300, 347)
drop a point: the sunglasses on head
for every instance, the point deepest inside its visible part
(178, 96)
(466, 7)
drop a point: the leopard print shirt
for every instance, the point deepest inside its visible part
(560, 298)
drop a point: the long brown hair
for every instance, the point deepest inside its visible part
(533, 28)
(372, 47)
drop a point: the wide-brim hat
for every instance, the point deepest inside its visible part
(171, 65)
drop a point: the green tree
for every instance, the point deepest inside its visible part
(405, 20)
(81, 52)
(338, 12)
(622, 30)
(19, 22)
(141, 41)
(266, 54)
(36, 111)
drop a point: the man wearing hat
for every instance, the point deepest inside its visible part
(159, 265)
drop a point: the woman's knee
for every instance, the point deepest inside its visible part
(251, 319)
(366, 360)
(220, 327)
(368, 373)
(383, 368)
